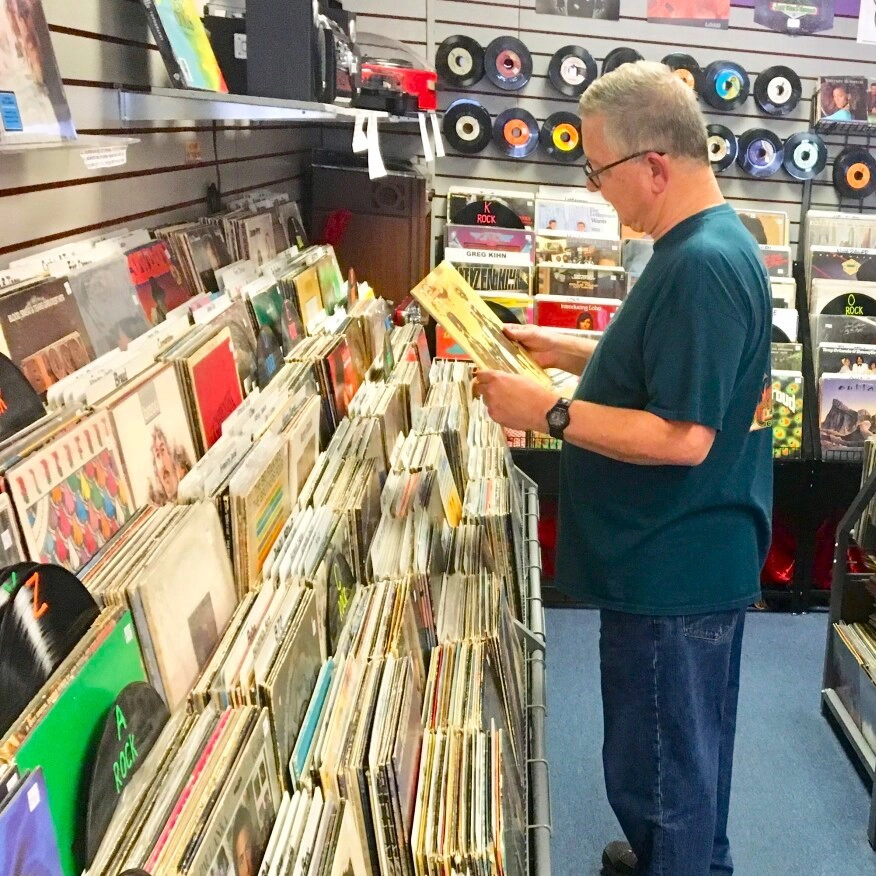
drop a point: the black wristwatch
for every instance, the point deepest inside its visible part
(558, 418)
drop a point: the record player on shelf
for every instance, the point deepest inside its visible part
(393, 78)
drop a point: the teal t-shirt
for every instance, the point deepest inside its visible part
(691, 343)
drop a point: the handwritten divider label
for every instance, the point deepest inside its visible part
(132, 726)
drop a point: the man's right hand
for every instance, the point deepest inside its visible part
(537, 341)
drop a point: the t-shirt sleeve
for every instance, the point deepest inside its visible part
(692, 354)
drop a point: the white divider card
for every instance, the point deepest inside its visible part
(376, 168)
(867, 22)
(360, 140)
(428, 154)
(436, 133)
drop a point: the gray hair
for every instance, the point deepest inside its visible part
(647, 107)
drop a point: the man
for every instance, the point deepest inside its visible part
(842, 113)
(665, 472)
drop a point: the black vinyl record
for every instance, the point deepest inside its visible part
(49, 612)
(777, 90)
(561, 137)
(488, 214)
(725, 85)
(504, 314)
(619, 56)
(854, 173)
(508, 63)
(760, 152)
(805, 155)
(515, 132)
(686, 69)
(21, 404)
(132, 727)
(723, 147)
(850, 304)
(467, 126)
(460, 61)
(777, 336)
(572, 70)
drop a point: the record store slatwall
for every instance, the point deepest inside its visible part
(428, 22)
(49, 196)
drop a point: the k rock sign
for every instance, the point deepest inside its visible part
(133, 725)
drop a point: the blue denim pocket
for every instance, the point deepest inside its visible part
(714, 627)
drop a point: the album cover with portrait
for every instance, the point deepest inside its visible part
(149, 415)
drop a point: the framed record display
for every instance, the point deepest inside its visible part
(809, 17)
(33, 105)
(607, 10)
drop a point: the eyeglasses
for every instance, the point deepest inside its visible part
(594, 174)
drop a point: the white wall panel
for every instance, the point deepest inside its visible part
(49, 196)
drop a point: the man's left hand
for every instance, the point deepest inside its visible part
(514, 401)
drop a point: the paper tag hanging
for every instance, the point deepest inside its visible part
(376, 168)
(436, 133)
(428, 154)
(360, 141)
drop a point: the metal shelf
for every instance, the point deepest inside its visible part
(844, 129)
(848, 692)
(539, 824)
(82, 143)
(177, 104)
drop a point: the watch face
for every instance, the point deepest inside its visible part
(556, 418)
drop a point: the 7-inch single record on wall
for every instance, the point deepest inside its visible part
(722, 147)
(619, 56)
(467, 126)
(561, 137)
(686, 69)
(805, 155)
(725, 85)
(487, 214)
(515, 132)
(572, 70)
(760, 152)
(777, 90)
(508, 63)
(460, 61)
(854, 173)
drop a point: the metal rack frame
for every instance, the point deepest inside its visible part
(847, 688)
(539, 815)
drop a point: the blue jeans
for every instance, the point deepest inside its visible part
(669, 691)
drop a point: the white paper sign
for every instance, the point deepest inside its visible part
(867, 22)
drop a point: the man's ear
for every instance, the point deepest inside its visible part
(660, 172)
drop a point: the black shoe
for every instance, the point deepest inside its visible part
(618, 859)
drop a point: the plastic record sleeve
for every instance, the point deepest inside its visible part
(722, 146)
(686, 69)
(561, 138)
(572, 70)
(854, 173)
(515, 132)
(760, 153)
(508, 63)
(467, 126)
(777, 90)
(725, 85)
(805, 155)
(460, 61)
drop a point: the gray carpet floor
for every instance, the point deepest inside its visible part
(798, 808)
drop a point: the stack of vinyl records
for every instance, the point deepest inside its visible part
(841, 292)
